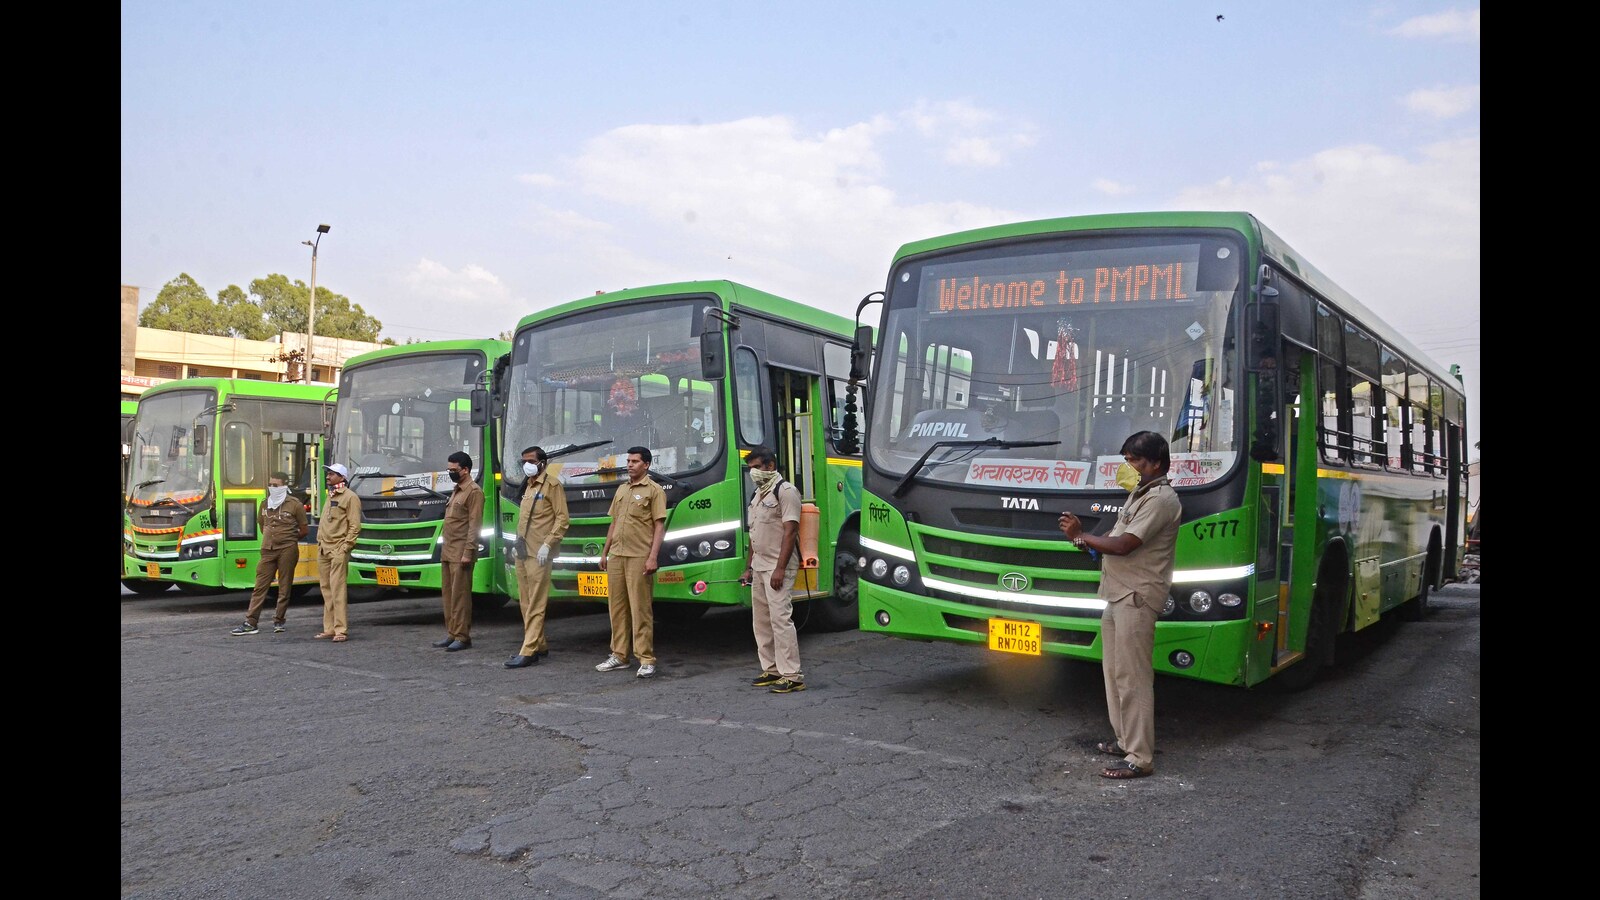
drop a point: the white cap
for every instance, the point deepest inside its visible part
(343, 472)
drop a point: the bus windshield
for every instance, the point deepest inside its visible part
(1077, 342)
(398, 420)
(623, 376)
(169, 458)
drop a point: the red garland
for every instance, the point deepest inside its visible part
(623, 399)
(1064, 373)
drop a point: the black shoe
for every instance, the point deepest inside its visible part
(458, 645)
(521, 662)
(445, 642)
(766, 679)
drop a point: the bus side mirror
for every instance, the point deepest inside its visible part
(713, 363)
(480, 407)
(1261, 340)
(198, 442)
(860, 353)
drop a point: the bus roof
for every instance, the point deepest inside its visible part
(493, 348)
(1275, 248)
(731, 294)
(244, 387)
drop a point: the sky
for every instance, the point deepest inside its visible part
(480, 161)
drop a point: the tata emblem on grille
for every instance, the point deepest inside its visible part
(1015, 582)
(591, 548)
(386, 549)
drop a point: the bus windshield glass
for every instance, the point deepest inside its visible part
(613, 378)
(1077, 341)
(397, 421)
(170, 448)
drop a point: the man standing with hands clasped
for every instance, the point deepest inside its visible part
(336, 537)
(541, 524)
(283, 523)
(633, 542)
(463, 516)
(774, 561)
(1135, 575)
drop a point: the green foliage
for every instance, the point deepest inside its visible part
(274, 304)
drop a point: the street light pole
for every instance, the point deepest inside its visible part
(311, 317)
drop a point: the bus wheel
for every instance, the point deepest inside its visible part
(1320, 634)
(147, 588)
(1416, 609)
(839, 612)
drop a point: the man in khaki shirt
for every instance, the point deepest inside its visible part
(633, 542)
(1135, 577)
(774, 517)
(336, 537)
(541, 524)
(282, 520)
(463, 519)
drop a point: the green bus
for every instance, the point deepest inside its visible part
(699, 372)
(400, 412)
(200, 453)
(129, 408)
(1319, 455)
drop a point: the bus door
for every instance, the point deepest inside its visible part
(795, 437)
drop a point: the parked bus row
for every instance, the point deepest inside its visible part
(1319, 455)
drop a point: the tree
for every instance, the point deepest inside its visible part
(183, 305)
(286, 305)
(243, 315)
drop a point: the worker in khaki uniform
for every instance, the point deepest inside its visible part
(633, 542)
(774, 518)
(336, 537)
(282, 521)
(463, 517)
(541, 524)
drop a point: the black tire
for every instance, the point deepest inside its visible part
(147, 588)
(842, 611)
(1417, 608)
(1321, 632)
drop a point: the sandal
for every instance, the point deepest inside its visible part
(1111, 747)
(323, 634)
(1125, 769)
(340, 638)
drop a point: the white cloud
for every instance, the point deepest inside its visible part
(539, 179)
(1450, 25)
(971, 135)
(469, 284)
(1444, 102)
(1111, 188)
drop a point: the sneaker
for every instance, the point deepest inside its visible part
(277, 627)
(646, 671)
(246, 628)
(611, 664)
(785, 686)
(766, 679)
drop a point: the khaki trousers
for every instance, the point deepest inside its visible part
(1127, 639)
(279, 562)
(772, 619)
(533, 595)
(332, 575)
(455, 584)
(629, 594)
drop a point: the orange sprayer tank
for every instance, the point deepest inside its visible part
(810, 524)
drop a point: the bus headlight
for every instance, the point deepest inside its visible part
(1169, 606)
(901, 575)
(704, 550)
(680, 553)
(1229, 599)
(1200, 602)
(879, 568)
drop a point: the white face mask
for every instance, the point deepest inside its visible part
(276, 496)
(530, 469)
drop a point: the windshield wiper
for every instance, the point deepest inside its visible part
(168, 501)
(623, 470)
(905, 483)
(574, 448)
(144, 484)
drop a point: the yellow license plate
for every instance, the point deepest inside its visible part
(1012, 636)
(389, 575)
(152, 570)
(592, 584)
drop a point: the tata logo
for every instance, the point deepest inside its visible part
(1015, 582)
(386, 549)
(591, 548)
(938, 429)
(591, 495)
(1018, 503)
